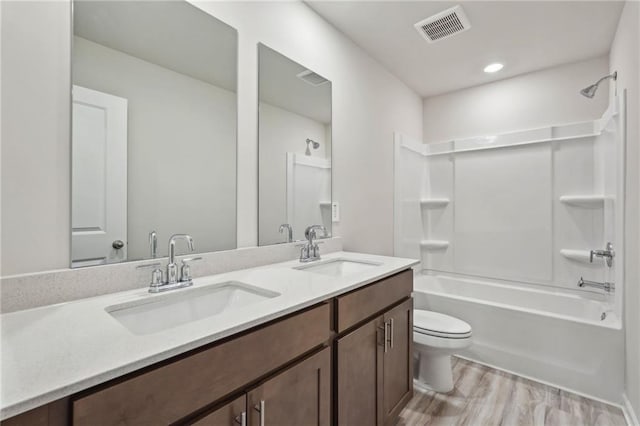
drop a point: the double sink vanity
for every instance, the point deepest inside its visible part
(325, 342)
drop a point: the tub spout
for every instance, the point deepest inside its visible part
(606, 286)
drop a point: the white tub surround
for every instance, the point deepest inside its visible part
(504, 226)
(28, 291)
(526, 206)
(54, 351)
(548, 335)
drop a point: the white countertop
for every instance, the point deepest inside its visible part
(57, 350)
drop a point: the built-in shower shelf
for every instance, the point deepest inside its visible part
(433, 203)
(434, 244)
(589, 201)
(576, 255)
(325, 203)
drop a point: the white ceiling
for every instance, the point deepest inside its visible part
(280, 87)
(174, 35)
(524, 35)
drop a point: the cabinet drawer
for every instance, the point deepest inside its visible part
(173, 391)
(361, 304)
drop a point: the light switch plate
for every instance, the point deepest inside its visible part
(335, 211)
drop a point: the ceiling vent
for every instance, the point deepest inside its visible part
(444, 24)
(312, 78)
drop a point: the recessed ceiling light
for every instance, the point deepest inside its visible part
(493, 67)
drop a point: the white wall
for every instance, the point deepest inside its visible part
(528, 101)
(625, 51)
(185, 132)
(280, 132)
(368, 105)
(35, 136)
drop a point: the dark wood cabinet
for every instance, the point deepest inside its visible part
(168, 393)
(374, 370)
(359, 375)
(301, 395)
(397, 377)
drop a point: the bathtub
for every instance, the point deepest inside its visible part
(559, 338)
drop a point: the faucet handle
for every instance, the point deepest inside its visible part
(156, 277)
(185, 270)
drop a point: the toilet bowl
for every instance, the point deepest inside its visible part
(436, 337)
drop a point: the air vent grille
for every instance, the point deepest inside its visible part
(444, 24)
(312, 78)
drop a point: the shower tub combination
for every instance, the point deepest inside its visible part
(503, 226)
(562, 339)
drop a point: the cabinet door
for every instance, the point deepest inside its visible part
(300, 395)
(397, 388)
(233, 413)
(359, 375)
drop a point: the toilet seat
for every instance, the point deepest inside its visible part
(434, 324)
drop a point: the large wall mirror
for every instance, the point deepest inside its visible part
(294, 150)
(153, 128)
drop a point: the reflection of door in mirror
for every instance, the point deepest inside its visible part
(99, 178)
(294, 155)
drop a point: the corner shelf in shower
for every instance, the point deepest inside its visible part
(325, 203)
(434, 244)
(576, 255)
(588, 201)
(433, 203)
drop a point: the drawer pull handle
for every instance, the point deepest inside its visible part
(241, 419)
(385, 337)
(260, 409)
(391, 333)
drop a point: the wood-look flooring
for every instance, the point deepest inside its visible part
(485, 396)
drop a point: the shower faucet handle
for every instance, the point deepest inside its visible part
(608, 253)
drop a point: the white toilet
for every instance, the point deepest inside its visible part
(436, 337)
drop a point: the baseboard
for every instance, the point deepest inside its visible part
(629, 413)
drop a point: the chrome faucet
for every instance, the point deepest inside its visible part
(289, 233)
(606, 286)
(172, 281)
(310, 251)
(607, 253)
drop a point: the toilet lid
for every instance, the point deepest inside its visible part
(434, 323)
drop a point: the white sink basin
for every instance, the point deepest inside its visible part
(158, 313)
(338, 267)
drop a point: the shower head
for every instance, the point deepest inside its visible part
(313, 143)
(590, 91)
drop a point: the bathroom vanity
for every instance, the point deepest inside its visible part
(333, 347)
